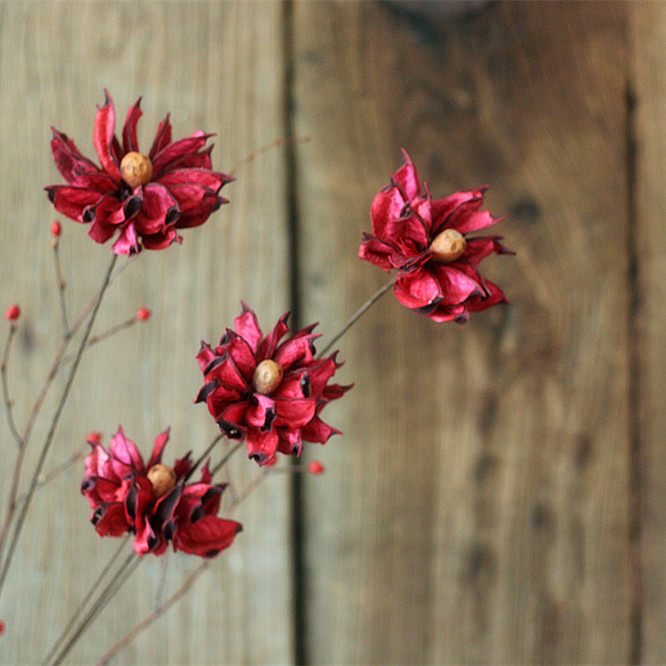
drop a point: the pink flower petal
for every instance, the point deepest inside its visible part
(407, 178)
(157, 209)
(207, 537)
(261, 445)
(125, 451)
(294, 413)
(247, 326)
(162, 138)
(174, 151)
(160, 442)
(130, 143)
(103, 137)
(455, 285)
(418, 289)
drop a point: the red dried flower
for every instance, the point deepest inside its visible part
(13, 312)
(142, 198)
(269, 393)
(152, 501)
(426, 241)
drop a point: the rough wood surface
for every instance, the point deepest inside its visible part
(497, 494)
(217, 67)
(477, 508)
(649, 67)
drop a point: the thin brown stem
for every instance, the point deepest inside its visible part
(156, 614)
(264, 149)
(9, 405)
(61, 288)
(357, 315)
(226, 458)
(52, 430)
(210, 447)
(104, 335)
(84, 602)
(126, 570)
(183, 589)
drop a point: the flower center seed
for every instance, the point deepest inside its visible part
(163, 479)
(448, 246)
(267, 376)
(136, 169)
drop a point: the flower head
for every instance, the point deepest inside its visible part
(143, 199)
(153, 501)
(427, 242)
(266, 391)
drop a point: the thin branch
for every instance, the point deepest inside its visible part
(5, 386)
(85, 600)
(126, 570)
(52, 430)
(264, 149)
(183, 589)
(357, 315)
(61, 288)
(104, 335)
(157, 613)
(204, 455)
(226, 458)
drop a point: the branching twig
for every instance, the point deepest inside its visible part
(54, 424)
(357, 315)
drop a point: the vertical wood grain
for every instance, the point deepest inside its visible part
(648, 66)
(476, 509)
(216, 66)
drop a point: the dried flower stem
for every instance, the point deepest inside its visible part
(48, 381)
(86, 599)
(5, 386)
(54, 424)
(226, 458)
(127, 568)
(201, 458)
(104, 335)
(264, 149)
(357, 315)
(61, 288)
(186, 586)
(156, 614)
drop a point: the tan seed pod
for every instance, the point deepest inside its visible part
(267, 377)
(448, 246)
(162, 478)
(136, 169)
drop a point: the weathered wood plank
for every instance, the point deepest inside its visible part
(649, 87)
(215, 66)
(476, 508)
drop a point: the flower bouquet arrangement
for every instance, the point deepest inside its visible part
(265, 385)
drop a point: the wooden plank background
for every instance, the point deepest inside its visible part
(497, 495)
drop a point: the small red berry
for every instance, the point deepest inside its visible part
(13, 312)
(315, 467)
(2, 626)
(56, 229)
(143, 314)
(93, 437)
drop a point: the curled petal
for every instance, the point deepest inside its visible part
(207, 537)
(130, 143)
(261, 445)
(417, 290)
(103, 137)
(247, 326)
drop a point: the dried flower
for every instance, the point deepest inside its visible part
(13, 312)
(143, 314)
(426, 241)
(144, 199)
(152, 501)
(268, 393)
